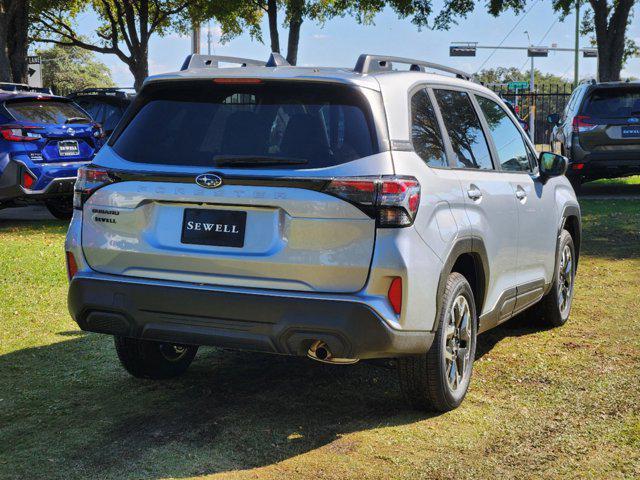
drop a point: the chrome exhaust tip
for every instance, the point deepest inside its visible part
(320, 352)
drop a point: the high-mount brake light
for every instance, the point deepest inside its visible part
(89, 180)
(583, 123)
(394, 201)
(19, 133)
(237, 81)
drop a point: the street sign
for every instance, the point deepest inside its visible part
(590, 52)
(34, 72)
(518, 85)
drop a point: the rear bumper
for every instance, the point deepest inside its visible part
(276, 322)
(603, 164)
(51, 181)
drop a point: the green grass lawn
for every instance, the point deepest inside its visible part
(623, 185)
(560, 403)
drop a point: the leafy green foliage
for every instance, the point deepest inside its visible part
(512, 74)
(68, 69)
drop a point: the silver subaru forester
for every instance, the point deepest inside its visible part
(392, 210)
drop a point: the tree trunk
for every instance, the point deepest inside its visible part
(139, 67)
(610, 36)
(272, 12)
(5, 65)
(18, 42)
(295, 15)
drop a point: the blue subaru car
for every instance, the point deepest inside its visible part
(43, 140)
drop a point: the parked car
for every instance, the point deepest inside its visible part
(43, 141)
(599, 131)
(23, 87)
(338, 214)
(105, 105)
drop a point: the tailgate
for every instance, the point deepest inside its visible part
(137, 229)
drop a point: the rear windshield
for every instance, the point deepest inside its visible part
(621, 102)
(289, 125)
(46, 111)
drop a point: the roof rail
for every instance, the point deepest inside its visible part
(202, 61)
(381, 63)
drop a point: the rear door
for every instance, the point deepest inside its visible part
(609, 119)
(490, 201)
(66, 133)
(221, 183)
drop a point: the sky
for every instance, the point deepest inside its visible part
(341, 40)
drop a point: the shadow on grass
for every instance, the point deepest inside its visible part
(71, 411)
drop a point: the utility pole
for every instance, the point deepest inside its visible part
(209, 38)
(195, 38)
(576, 62)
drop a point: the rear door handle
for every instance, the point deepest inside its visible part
(520, 193)
(474, 193)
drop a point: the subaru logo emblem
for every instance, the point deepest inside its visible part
(208, 180)
(71, 131)
(634, 120)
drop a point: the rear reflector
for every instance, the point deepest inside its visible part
(72, 266)
(577, 166)
(395, 295)
(28, 181)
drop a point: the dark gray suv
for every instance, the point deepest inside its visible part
(599, 131)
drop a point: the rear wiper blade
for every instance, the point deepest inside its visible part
(246, 161)
(77, 120)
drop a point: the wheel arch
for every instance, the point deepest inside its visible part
(571, 222)
(468, 256)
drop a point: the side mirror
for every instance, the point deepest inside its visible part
(553, 119)
(552, 165)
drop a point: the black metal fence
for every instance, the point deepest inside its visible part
(546, 98)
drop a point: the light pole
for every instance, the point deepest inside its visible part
(532, 105)
(576, 62)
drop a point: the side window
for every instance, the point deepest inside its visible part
(510, 146)
(463, 125)
(425, 131)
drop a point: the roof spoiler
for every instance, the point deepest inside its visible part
(381, 63)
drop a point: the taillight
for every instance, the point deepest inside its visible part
(27, 181)
(72, 266)
(583, 123)
(395, 295)
(394, 201)
(577, 166)
(19, 133)
(89, 180)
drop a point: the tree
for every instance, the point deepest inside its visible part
(296, 12)
(513, 74)
(126, 26)
(14, 41)
(68, 69)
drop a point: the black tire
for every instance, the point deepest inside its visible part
(155, 360)
(550, 311)
(60, 207)
(424, 378)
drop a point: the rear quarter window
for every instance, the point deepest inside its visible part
(204, 124)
